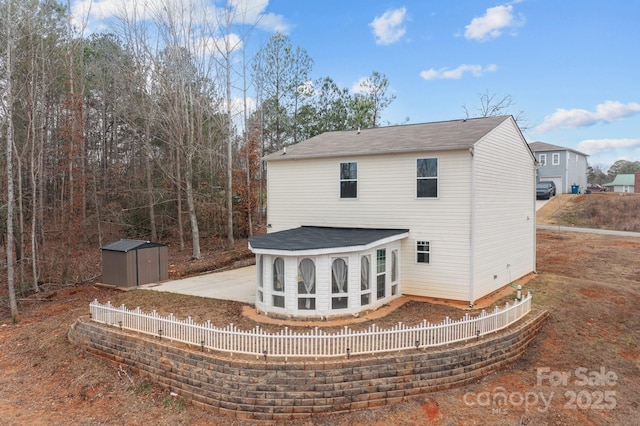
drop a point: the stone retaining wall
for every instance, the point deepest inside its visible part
(279, 390)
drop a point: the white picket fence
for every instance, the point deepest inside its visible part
(314, 343)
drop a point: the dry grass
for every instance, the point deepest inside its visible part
(605, 211)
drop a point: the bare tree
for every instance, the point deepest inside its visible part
(8, 107)
(137, 39)
(492, 105)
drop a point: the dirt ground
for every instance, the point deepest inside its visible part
(583, 369)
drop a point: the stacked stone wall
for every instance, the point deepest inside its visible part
(273, 389)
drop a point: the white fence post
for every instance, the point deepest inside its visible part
(315, 343)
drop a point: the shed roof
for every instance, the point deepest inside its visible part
(319, 237)
(623, 179)
(543, 146)
(436, 136)
(128, 245)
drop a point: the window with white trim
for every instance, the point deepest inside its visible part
(423, 252)
(277, 296)
(394, 272)
(427, 178)
(381, 273)
(349, 180)
(365, 280)
(306, 284)
(260, 278)
(339, 284)
(555, 158)
(542, 159)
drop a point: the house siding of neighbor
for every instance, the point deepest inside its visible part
(479, 229)
(623, 183)
(564, 166)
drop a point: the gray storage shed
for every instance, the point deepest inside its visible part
(130, 263)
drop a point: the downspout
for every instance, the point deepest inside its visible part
(472, 278)
(535, 218)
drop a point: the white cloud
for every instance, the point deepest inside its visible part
(574, 118)
(457, 73)
(252, 12)
(389, 27)
(89, 13)
(596, 146)
(492, 23)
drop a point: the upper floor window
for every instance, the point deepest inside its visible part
(349, 180)
(555, 159)
(543, 159)
(427, 178)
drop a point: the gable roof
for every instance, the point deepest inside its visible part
(543, 146)
(436, 136)
(320, 237)
(623, 179)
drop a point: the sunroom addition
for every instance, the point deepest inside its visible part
(321, 272)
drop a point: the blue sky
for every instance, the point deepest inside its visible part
(571, 68)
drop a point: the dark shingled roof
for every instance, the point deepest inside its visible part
(318, 237)
(437, 136)
(128, 245)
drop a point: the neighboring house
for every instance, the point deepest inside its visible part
(622, 183)
(357, 218)
(563, 166)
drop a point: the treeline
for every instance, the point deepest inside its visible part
(136, 132)
(597, 175)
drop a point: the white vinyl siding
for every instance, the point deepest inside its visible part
(504, 217)
(504, 230)
(386, 199)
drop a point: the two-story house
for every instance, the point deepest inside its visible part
(357, 218)
(565, 167)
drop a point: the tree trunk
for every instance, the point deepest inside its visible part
(230, 242)
(147, 166)
(10, 196)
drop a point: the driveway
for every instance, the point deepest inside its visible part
(540, 203)
(236, 284)
(589, 230)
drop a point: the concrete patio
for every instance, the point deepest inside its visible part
(237, 284)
